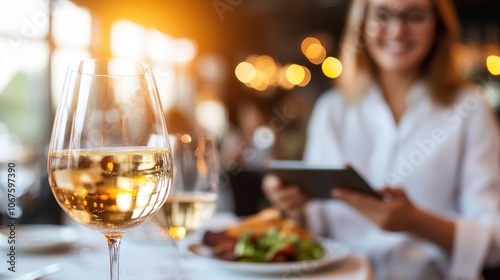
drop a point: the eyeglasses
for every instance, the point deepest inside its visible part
(416, 19)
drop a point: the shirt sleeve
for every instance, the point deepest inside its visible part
(479, 189)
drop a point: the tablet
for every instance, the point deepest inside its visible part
(318, 180)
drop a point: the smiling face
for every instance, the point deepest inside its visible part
(399, 33)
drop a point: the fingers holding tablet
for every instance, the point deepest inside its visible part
(289, 198)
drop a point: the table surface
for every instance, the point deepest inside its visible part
(152, 260)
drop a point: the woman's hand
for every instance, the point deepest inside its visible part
(394, 213)
(289, 199)
(397, 213)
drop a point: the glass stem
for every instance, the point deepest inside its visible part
(114, 241)
(177, 270)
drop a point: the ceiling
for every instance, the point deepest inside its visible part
(235, 29)
(260, 26)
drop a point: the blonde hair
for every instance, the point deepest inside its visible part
(437, 68)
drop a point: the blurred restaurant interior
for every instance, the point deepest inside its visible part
(248, 71)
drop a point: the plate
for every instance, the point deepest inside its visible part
(38, 238)
(334, 253)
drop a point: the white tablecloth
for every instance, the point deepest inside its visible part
(152, 260)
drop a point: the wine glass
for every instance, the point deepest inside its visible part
(194, 195)
(109, 162)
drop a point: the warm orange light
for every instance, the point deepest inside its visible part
(493, 64)
(316, 53)
(245, 72)
(332, 67)
(110, 165)
(295, 74)
(260, 81)
(186, 138)
(307, 42)
(266, 64)
(252, 59)
(307, 77)
(177, 232)
(282, 80)
(259, 72)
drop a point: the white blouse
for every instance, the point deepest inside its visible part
(446, 158)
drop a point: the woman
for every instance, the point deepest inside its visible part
(429, 144)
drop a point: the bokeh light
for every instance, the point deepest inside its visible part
(262, 73)
(185, 50)
(295, 74)
(216, 124)
(283, 81)
(332, 67)
(316, 53)
(308, 42)
(307, 77)
(159, 46)
(260, 82)
(245, 72)
(267, 66)
(263, 137)
(127, 40)
(493, 64)
(259, 72)
(313, 49)
(186, 138)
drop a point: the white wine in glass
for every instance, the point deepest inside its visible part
(194, 196)
(110, 164)
(184, 213)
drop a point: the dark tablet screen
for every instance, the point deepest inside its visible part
(317, 181)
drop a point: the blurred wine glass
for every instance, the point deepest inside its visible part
(110, 164)
(194, 195)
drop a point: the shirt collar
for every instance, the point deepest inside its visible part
(418, 90)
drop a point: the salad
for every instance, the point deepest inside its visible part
(264, 237)
(275, 246)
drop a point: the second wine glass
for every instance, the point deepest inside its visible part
(194, 195)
